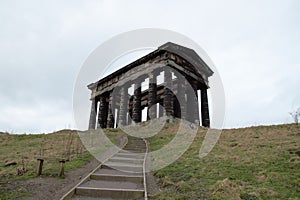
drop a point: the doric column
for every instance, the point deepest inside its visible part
(129, 121)
(117, 118)
(102, 114)
(182, 97)
(196, 110)
(161, 109)
(168, 96)
(204, 108)
(123, 105)
(93, 115)
(152, 95)
(137, 101)
(181, 90)
(192, 103)
(111, 111)
(176, 107)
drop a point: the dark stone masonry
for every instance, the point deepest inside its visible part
(119, 98)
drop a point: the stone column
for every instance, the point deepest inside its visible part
(129, 116)
(102, 112)
(181, 90)
(192, 104)
(123, 105)
(204, 108)
(152, 95)
(196, 110)
(161, 109)
(137, 101)
(117, 118)
(111, 111)
(181, 100)
(130, 105)
(168, 96)
(176, 107)
(93, 115)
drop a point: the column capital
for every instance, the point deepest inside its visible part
(140, 79)
(156, 72)
(178, 74)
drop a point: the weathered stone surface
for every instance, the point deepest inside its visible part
(181, 100)
(179, 97)
(102, 114)
(192, 104)
(196, 109)
(123, 105)
(204, 108)
(152, 96)
(168, 96)
(129, 121)
(93, 115)
(111, 109)
(136, 104)
(161, 109)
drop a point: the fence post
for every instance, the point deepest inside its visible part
(40, 166)
(61, 170)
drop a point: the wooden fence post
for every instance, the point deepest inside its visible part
(61, 170)
(40, 166)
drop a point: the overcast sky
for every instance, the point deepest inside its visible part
(255, 46)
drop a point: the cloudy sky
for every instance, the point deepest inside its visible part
(255, 46)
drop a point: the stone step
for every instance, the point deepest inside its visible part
(78, 197)
(116, 172)
(135, 146)
(135, 150)
(126, 154)
(111, 193)
(110, 163)
(126, 160)
(138, 145)
(109, 184)
(123, 167)
(120, 177)
(138, 179)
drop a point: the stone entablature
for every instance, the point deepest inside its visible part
(184, 74)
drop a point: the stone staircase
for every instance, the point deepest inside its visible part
(120, 177)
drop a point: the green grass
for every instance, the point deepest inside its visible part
(248, 163)
(4, 195)
(23, 149)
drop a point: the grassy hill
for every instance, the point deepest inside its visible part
(247, 163)
(18, 152)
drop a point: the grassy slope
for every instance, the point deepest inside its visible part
(248, 163)
(23, 148)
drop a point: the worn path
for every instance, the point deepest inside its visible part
(120, 177)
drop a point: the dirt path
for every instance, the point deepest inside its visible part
(48, 188)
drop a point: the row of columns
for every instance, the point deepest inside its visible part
(183, 105)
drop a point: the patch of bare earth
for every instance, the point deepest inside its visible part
(51, 188)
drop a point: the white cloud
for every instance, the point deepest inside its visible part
(36, 118)
(254, 44)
